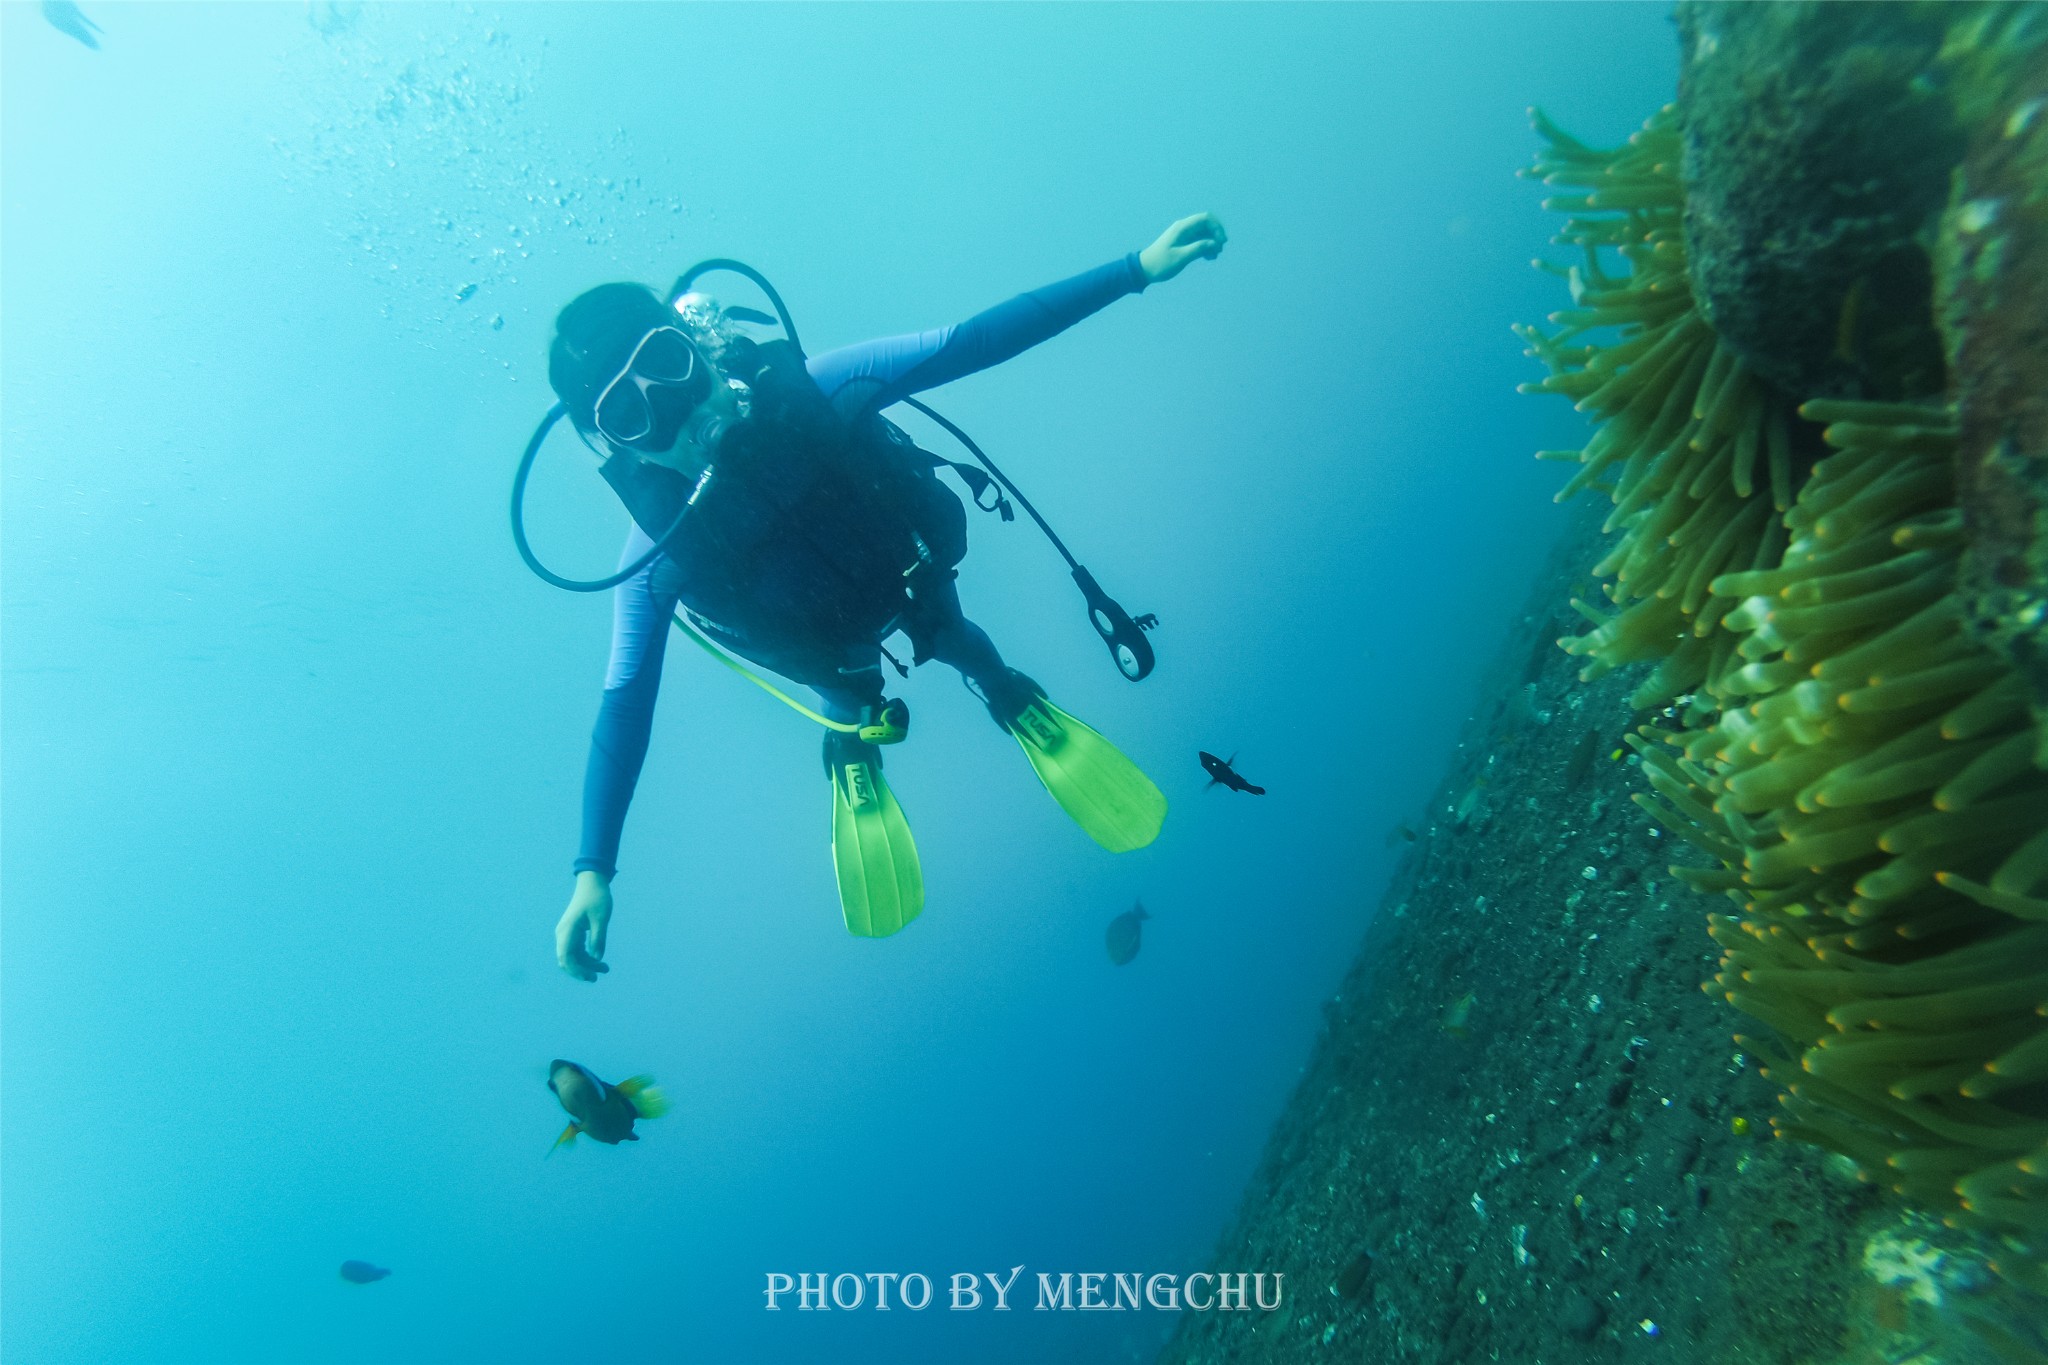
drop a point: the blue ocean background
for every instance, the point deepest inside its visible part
(293, 744)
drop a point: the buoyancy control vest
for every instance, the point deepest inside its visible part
(813, 520)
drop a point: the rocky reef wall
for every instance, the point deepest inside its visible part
(1525, 1134)
(1809, 317)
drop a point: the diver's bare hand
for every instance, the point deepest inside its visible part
(579, 935)
(1198, 237)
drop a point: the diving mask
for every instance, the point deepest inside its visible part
(666, 360)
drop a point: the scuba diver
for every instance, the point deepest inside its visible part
(779, 518)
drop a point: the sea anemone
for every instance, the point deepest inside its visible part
(1694, 450)
(1863, 769)
(1868, 785)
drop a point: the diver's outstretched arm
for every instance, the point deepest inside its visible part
(896, 367)
(893, 368)
(618, 748)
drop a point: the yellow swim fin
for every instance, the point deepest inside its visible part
(568, 1137)
(1105, 793)
(644, 1095)
(881, 884)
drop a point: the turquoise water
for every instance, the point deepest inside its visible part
(294, 744)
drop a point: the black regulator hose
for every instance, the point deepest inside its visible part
(540, 434)
(1125, 638)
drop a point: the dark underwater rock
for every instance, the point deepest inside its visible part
(1827, 148)
(1992, 273)
(1581, 762)
(1352, 1280)
(1556, 1157)
(1581, 1318)
(1818, 146)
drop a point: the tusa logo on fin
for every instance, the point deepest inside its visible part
(1040, 728)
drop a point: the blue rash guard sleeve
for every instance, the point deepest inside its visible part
(625, 718)
(898, 367)
(908, 364)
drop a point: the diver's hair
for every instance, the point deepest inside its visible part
(599, 328)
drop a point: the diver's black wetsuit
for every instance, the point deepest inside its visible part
(895, 367)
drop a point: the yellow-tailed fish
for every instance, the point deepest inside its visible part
(605, 1111)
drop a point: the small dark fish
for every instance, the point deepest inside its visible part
(753, 315)
(1220, 771)
(603, 1110)
(362, 1272)
(1400, 834)
(66, 17)
(1124, 933)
